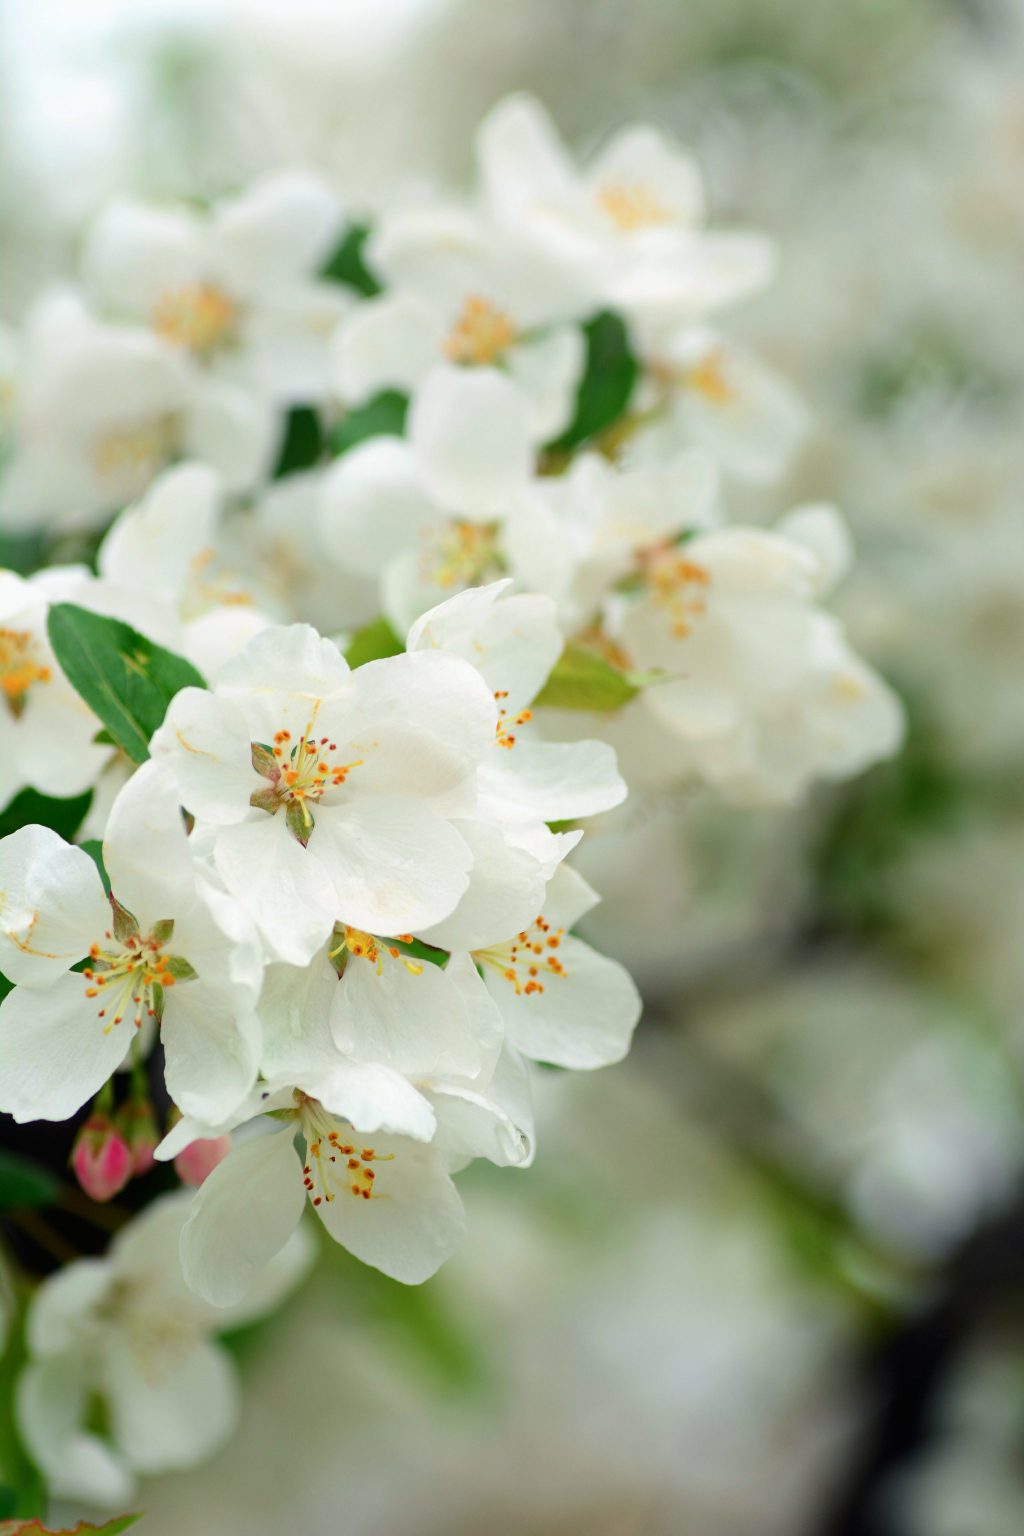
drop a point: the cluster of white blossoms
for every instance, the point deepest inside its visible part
(318, 920)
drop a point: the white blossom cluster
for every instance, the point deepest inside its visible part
(328, 900)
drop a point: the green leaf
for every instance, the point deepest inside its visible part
(384, 415)
(303, 443)
(582, 679)
(373, 643)
(94, 848)
(127, 680)
(30, 808)
(606, 388)
(25, 1184)
(21, 552)
(18, 1473)
(346, 265)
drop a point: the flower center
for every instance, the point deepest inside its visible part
(679, 586)
(298, 773)
(198, 316)
(632, 206)
(138, 451)
(20, 667)
(709, 378)
(528, 960)
(335, 1166)
(367, 946)
(504, 731)
(206, 589)
(480, 335)
(129, 976)
(459, 554)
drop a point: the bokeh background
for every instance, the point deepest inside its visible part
(766, 1277)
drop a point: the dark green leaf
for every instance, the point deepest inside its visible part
(30, 808)
(94, 848)
(606, 388)
(347, 265)
(24, 1183)
(384, 415)
(127, 680)
(373, 643)
(582, 679)
(303, 442)
(21, 552)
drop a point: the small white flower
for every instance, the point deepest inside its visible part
(765, 695)
(630, 226)
(234, 290)
(125, 1330)
(101, 409)
(165, 950)
(324, 791)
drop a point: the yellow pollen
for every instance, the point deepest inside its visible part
(20, 667)
(530, 955)
(632, 207)
(505, 729)
(123, 978)
(140, 450)
(334, 1166)
(460, 554)
(708, 377)
(679, 586)
(481, 333)
(197, 316)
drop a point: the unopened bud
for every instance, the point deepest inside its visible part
(137, 1125)
(200, 1158)
(101, 1158)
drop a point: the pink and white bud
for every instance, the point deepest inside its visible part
(200, 1158)
(101, 1158)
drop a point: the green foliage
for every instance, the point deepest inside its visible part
(372, 643)
(25, 1184)
(29, 808)
(606, 388)
(303, 443)
(127, 680)
(94, 848)
(582, 679)
(382, 416)
(21, 552)
(347, 265)
(22, 1495)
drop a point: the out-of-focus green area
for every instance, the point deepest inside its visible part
(766, 1276)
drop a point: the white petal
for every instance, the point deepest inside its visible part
(211, 1039)
(287, 890)
(388, 342)
(372, 1099)
(52, 905)
(512, 640)
(242, 1216)
(175, 1417)
(55, 1052)
(51, 1403)
(396, 865)
(283, 228)
(415, 1221)
(373, 505)
(153, 545)
(207, 743)
(505, 892)
(547, 370)
(235, 430)
(135, 255)
(407, 1017)
(552, 781)
(470, 430)
(582, 1019)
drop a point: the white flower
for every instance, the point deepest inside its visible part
(514, 641)
(574, 536)
(324, 791)
(46, 731)
(167, 948)
(766, 694)
(560, 1000)
(162, 558)
(378, 520)
(705, 388)
(630, 225)
(102, 408)
(235, 289)
(461, 292)
(127, 1332)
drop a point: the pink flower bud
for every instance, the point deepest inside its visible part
(200, 1158)
(101, 1158)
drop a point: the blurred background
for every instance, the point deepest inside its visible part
(766, 1277)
